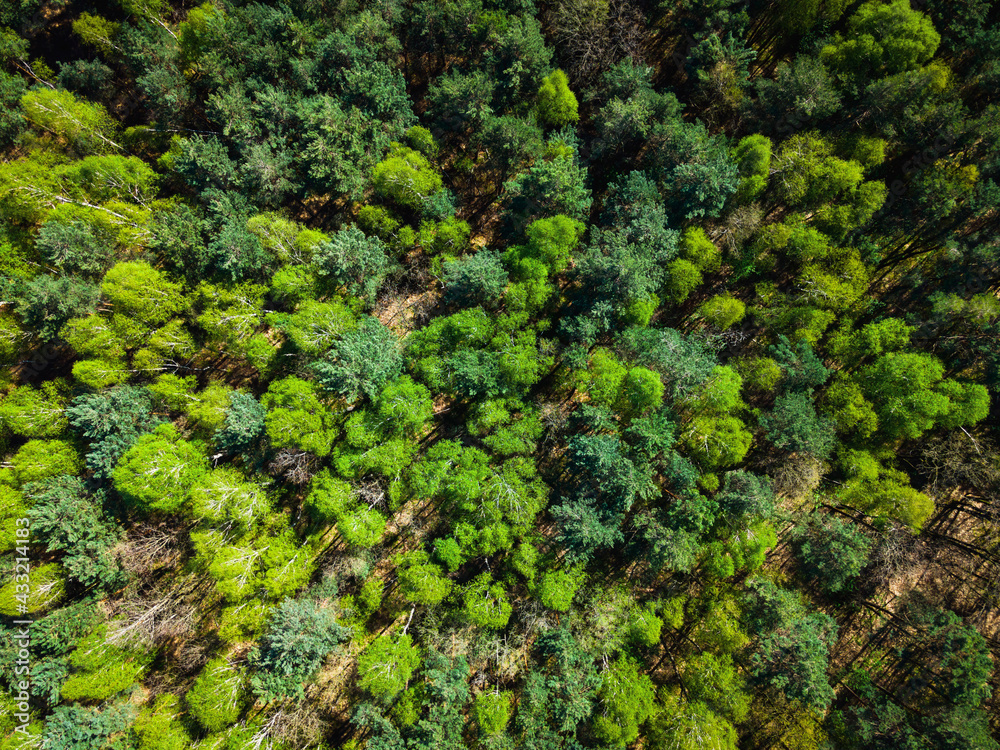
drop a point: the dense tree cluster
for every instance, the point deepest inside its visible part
(496, 374)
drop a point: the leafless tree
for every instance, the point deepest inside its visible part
(149, 622)
(147, 547)
(296, 466)
(592, 35)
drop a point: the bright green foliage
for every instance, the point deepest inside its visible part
(218, 696)
(809, 174)
(37, 460)
(558, 587)
(872, 340)
(486, 603)
(230, 313)
(12, 507)
(274, 562)
(717, 442)
(753, 157)
(420, 581)
(46, 588)
(159, 471)
(645, 626)
(387, 665)
(697, 248)
(550, 241)
(318, 361)
(889, 496)
(198, 33)
(141, 292)
(690, 725)
(714, 681)
(556, 103)
(315, 326)
(406, 177)
(160, 728)
(640, 311)
(606, 376)
(101, 670)
(910, 395)
(224, 499)
(883, 39)
(722, 311)
(641, 392)
(329, 498)
(404, 406)
(493, 712)
(760, 373)
(849, 408)
(296, 418)
(683, 278)
(719, 394)
(80, 125)
(361, 527)
(369, 598)
(299, 636)
(626, 699)
(98, 374)
(449, 551)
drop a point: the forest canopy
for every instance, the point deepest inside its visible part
(495, 374)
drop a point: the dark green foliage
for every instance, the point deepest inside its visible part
(361, 362)
(91, 78)
(793, 645)
(800, 91)
(833, 552)
(112, 421)
(74, 248)
(559, 698)
(74, 525)
(475, 278)
(76, 727)
(177, 238)
(606, 483)
(697, 173)
(354, 262)
(746, 495)
(794, 425)
(299, 636)
(45, 303)
(12, 87)
(59, 632)
(947, 671)
(244, 426)
(801, 367)
(542, 379)
(550, 187)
